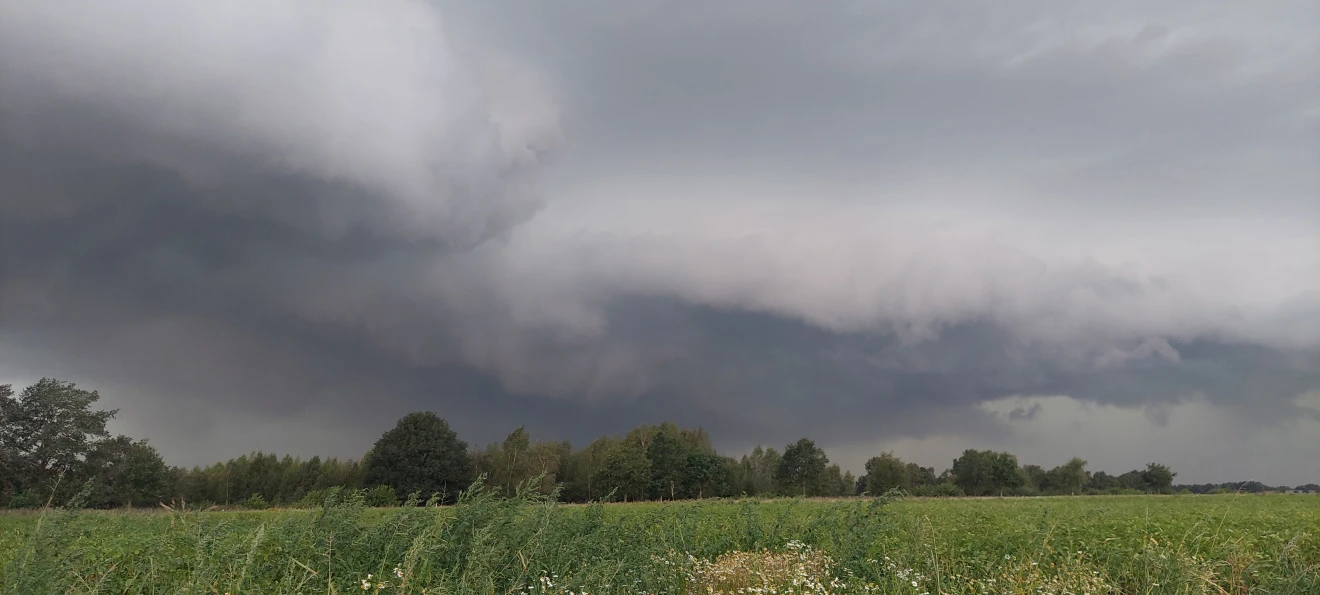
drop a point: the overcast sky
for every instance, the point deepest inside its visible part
(1058, 228)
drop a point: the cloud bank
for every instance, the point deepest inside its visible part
(282, 224)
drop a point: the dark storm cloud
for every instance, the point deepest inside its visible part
(1073, 106)
(312, 217)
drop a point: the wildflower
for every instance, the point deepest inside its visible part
(398, 572)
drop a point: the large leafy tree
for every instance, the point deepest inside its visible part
(1071, 477)
(886, 472)
(759, 469)
(46, 434)
(420, 454)
(625, 470)
(1038, 478)
(921, 476)
(1158, 478)
(1005, 472)
(972, 473)
(704, 475)
(801, 468)
(517, 460)
(668, 456)
(126, 472)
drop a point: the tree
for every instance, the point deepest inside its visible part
(668, 457)
(420, 454)
(983, 473)
(513, 460)
(126, 472)
(971, 472)
(886, 472)
(580, 471)
(704, 475)
(1158, 478)
(831, 483)
(1004, 472)
(625, 470)
(921, 476)
(511, 463)
(1133, 480)
(1071, 477)
(1102, 482)
(760, 468)
(801, 467)
(1037, 478)
(8, 459)
(46, 434)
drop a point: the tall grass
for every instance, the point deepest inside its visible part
(529, 544)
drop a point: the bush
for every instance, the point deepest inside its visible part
(312, 499)
(381, 496)
(939, 490)
(27, 499)
(256, 502)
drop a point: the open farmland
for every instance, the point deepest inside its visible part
(1104, 544)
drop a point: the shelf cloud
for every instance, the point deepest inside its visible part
(282, 224)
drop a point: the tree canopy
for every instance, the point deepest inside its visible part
(801, 468)
(420, 454)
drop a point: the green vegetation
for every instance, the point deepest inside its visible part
(1104, 544)
(54, 448)
(340, 529)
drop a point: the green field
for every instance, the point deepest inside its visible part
(1098, 544)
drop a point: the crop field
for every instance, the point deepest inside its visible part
(1097, 544)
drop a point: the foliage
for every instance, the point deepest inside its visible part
(380, 496)
(801, 468)
(624, 471)
(256, 502)
(420, 454)
(938, 490)
(283, 480)
(985, 473)
(47, 433)
(886, 472)
(126, 472)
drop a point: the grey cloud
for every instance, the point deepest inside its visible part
(1064, 106)
(373, 100)
(924, 209)
(1024, 413)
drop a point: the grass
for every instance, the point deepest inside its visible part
(1102, 544)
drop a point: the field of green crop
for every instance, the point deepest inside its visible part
(1099, 544)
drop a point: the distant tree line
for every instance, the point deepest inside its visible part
(1246, 487)
(54, 448)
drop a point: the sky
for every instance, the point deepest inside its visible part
(1059, 228)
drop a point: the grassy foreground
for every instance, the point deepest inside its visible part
(1101, 544)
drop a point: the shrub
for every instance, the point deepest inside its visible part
(256, 502)
(27, 499)
(939, 490)
(381, 496)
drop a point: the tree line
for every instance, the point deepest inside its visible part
(54, 448)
